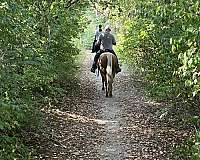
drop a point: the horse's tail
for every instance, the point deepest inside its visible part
(109, 68)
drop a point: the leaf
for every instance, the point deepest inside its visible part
(190, 62)
(173, 48)
(188, 83)
(171, 40)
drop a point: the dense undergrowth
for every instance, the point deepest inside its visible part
(37, 55)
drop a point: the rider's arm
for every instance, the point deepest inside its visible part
(96, 35)
(99, 39)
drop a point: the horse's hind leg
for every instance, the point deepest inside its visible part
(110, 89)
(103, 81)
(103, 88)
(106, 88)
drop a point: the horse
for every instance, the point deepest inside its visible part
(107, 65)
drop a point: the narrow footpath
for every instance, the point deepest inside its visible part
(128, 126)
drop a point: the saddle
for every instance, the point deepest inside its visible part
(108, 50)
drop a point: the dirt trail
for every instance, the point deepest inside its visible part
(125, 127)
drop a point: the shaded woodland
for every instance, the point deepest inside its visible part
(41, 43)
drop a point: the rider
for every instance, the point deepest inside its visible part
(98, 32)
(95, 47)
(106, 40)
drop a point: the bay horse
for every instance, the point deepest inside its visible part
(107, 65)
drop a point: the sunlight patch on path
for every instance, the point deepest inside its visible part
(75, 117)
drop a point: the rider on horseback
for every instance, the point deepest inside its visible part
(95, 46)
(106, 40)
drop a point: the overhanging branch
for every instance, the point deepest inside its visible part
(93, 5)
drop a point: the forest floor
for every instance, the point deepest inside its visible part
(128, 126)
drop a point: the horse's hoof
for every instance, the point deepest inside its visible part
(103, 89)
(106, 95)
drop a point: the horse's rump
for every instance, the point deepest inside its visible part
(107, 66)
(107, 60)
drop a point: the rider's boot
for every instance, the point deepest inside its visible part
(96, 57)
(94, 66)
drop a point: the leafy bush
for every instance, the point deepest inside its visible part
(13, 118)
(190, 149)
(37, 55)
(161, 38)
(12, 148)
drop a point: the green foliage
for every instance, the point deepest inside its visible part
(93, 21)
(87, 37)
(37, 55)
(162, 40)
(190, 149)
(12, 119)
(12, 148)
